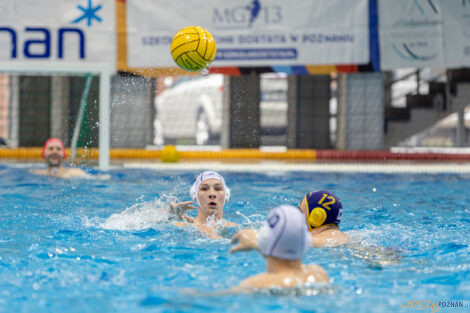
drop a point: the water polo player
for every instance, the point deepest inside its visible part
(210, 194)
(283, 240)
(54, 154)
(322, 211)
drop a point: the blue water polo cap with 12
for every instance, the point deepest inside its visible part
(324, 208)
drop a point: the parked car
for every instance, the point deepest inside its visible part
(190, 109)
(273, 104)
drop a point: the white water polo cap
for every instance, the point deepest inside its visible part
(284, 234)
(202, 177)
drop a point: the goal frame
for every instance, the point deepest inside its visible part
(64, 68)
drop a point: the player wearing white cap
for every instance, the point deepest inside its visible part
(283, 240)
(210, 193)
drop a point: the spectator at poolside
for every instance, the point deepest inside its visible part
(54, 155)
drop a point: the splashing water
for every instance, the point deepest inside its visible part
(139, 216)
(108, 245)
(247, 218)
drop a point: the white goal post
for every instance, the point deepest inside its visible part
(59, 68)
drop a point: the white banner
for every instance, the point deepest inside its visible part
(252, 32)
(58, 30)
(410, 34)
(456, 15)
(424, 33)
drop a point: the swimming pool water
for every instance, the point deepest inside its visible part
(104, 245)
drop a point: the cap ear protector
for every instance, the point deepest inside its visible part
(317, 217)
(323, 208)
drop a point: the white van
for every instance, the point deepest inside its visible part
(190, 110)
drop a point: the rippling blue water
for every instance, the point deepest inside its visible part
(103, 245)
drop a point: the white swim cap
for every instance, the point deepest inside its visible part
(284, 234)
(202, 177)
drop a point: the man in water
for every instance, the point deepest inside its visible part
(322, 211)
(283, 240)
(210, 193)
(54, 154)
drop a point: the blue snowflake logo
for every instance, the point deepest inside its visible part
(88, 13)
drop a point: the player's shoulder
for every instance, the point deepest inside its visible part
(38, 171)
(75, 171)
(263, 280)
(316, 271)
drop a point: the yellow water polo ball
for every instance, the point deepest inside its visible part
(193, 48)
(169, 154)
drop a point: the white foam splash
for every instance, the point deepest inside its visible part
(248, 220)
(139, 216)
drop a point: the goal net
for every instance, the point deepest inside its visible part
(39, 101)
